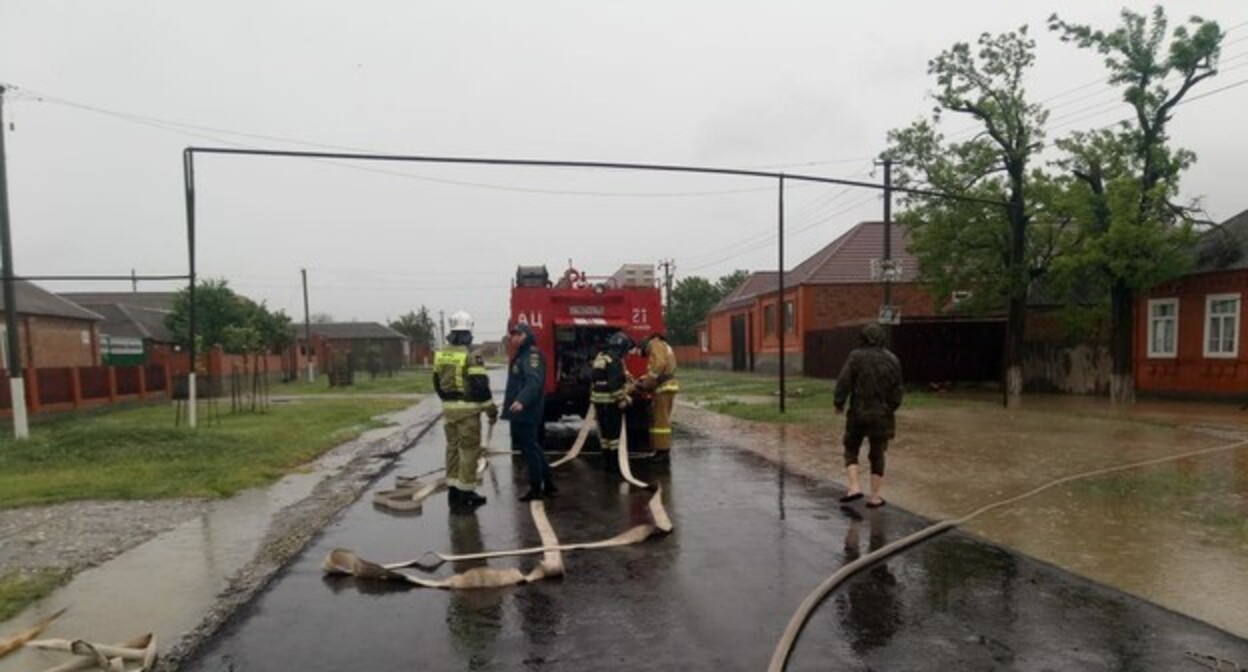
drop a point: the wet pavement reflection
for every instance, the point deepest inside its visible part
(751, 540)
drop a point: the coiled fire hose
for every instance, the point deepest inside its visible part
(780, 656)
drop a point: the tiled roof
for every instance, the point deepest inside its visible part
(846, 260)
(756, 283)
(1225, 247)
(35, 300)
(350, 330)
(149, 300)
(130, 314)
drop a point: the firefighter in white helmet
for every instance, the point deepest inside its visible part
(460, 379)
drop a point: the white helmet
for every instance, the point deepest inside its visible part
(461, 321)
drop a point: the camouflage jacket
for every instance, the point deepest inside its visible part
(871, 382)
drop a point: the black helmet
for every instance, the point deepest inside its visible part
(619, 342)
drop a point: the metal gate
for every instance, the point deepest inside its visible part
(739, 345)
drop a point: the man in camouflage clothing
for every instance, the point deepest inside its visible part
(871, 382)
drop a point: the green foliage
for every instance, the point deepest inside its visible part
(994, 249)
(1127, 177)
(417, 326)
(1124, 181)
(138, 453)
(224, 318)
(692, 298)
(404, 381)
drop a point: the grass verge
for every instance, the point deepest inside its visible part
(138, 453)
(752, 396)
(406, 381)
(18, 590)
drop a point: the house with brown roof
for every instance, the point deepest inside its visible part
(53, 332)
(837, 286)
(133, 330)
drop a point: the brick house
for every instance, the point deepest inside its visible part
(53, 331)
(833, 287)
(355, 340)
(1189, 331)
(133, 328)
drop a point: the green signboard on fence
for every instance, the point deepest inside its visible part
(122, 351)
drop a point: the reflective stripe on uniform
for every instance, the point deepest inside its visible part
(669, 386)
(660, 430)
(454, 405)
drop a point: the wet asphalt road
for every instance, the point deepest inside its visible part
(750, 542)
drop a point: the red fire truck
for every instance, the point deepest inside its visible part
(573, 315)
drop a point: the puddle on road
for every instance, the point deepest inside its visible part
(167, 585)
(1175, 534)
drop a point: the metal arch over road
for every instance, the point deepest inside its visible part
(188, 167)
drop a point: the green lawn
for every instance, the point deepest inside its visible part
(752, 396)
(138, 453)
(17, 591)
(406, 381)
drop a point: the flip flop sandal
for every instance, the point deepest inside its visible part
(851, 498)
(876, 505)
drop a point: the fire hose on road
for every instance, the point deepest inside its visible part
(784, 648)
(410, 493)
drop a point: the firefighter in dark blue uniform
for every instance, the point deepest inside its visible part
(524, 405)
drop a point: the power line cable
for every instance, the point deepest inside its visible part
(198, 131)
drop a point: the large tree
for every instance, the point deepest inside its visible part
(692, 298)
(985, 245)
(1129, 176)
(222, 317)
(417, 326)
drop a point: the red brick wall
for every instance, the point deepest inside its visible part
(58, 342)
(1191, 372)
(829, 306)
(719, 331)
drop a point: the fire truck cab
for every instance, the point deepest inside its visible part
(572, 317)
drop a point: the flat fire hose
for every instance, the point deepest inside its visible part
(342, 561)
(10, 644)
(409, 494)
(591, 419)
(784, 648)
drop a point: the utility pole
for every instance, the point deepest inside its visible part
(307, 328)
(780, 312)
(669, 268)
(886, 264)
(441, 328)
(17, 386)
(134, 281)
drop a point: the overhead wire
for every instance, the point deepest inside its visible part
(801, 213)
(199, 131)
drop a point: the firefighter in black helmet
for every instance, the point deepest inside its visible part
(609, 392)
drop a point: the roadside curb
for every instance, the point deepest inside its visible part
(293, 530)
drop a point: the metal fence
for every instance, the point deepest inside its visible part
(930, 350)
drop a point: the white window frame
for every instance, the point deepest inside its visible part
(1234, 352)
(1161, 354)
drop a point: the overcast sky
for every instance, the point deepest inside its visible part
(110, 92)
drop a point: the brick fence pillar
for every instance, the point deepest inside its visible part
(75, 386)
(32, 389)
